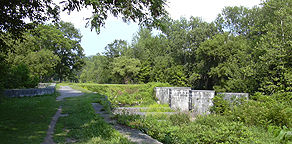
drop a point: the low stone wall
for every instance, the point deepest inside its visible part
(185, 99)
(232, 96)
(163, 93)
(179, 98)
(201, 100)
(29, 92)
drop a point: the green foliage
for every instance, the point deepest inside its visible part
(220, 106)
(260, 111)
(19, 77)
(26, 120)
(127, 119)
(284, 135)
(158, 109)
(126, 68)
(64, 41)
(180, 119)
(205, 129)
(264, 111)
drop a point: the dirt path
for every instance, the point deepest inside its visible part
(133, 134)
(65, 91)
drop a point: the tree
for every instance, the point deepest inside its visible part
(126, 68)
(96, 69)
(225, 63)
(64, 40)
(15, 12)
(116, 49)
(274, 48)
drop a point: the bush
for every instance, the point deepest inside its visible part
(180, 119)
(220, 105)
(19, 77)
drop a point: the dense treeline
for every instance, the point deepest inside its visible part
(32, 52)
(242, 50)
(45, 53)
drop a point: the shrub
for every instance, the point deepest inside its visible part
(220, 105)
(180, 119)
(263, 111)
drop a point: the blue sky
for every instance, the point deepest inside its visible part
(117, 29)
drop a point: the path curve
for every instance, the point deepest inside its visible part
(66, 91)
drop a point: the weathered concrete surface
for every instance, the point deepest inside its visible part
(30, 92)
(232, 96)
(163, 93)
(179, 99)
(136, 110)
(132, 134)
(185, 99)
(67, 91)
(201, 100)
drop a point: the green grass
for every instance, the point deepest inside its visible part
(124, 95)
(83, 125)
(26, 120)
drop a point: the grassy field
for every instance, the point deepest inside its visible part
(26, 120)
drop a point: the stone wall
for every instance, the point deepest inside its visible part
(179, 99)
(232, 96)
(186, 99)
(29, 92)
(201, 100)
(163, 93)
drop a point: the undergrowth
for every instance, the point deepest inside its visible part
(178, 128)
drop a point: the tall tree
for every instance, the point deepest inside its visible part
(116, 49)
(64, 40)
(274, 48)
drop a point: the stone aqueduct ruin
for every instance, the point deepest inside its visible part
(186, 99)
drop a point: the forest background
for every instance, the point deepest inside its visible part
(242, 50)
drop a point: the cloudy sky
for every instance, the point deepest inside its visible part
(116, 29)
